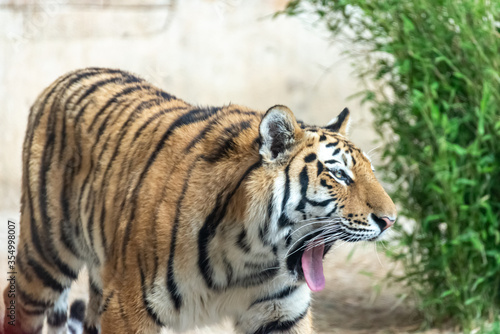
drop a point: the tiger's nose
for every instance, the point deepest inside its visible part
(384, 222)
(389, 222)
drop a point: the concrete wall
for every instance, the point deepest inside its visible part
(206, 52)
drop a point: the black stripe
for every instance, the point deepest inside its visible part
(331, 161)
(93, 87)
(193, 116)
(288, 239)
(260, 265)
(211, 125)
(105, 305)
(84, 186)
(20, 264)
(333, 210)
(33, 312)
(270, 204)
(322, 203)
(57, 318)
(45, 276)
(206, 233)
(63, 267)
(164, 95)
(302, 206)
(320, 167)
(286, 196)
(149, 309)
(242, 241)
(142, 106)
(213, 220)
(171, 284)
(278, 325)
(66, 237)
(304, 181)
(113, 99)
(324, 184)
(259, 277)
(104, 241)
(45, 166)
(104, 148)
(122, 132)
(90, 221)
(154, 117)
(332, 144)
(80, 198)
(226, 142)
(336, 152)
(304, 184)
(264, 227)
(105, 178)
(125, 125)
(283, 293)
(59, 84)
(130, 156)
(62, 141)
(284, 220)
(310, 158)
(79, 77)
(31, 301)
(139, 108)
(153, 227)
(123, 79)
(94, 288)
(263, 230)
(44, 170)
(35, 238)
(228, 268)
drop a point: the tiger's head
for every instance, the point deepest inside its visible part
(324, 190)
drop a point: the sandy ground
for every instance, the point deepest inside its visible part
(357, 298)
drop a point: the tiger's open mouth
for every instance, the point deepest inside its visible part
(306, 257)
(307, 260)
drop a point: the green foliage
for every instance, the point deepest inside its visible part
(490, 328)
(436, 65)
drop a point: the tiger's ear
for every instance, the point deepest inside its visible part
(340, 123)
(279, 132)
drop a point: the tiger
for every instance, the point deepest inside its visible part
(183, 215)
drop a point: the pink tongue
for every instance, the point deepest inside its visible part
(312, 266)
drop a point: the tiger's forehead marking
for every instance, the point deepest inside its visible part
(335, 147)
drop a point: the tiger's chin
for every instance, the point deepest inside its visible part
(379, 237)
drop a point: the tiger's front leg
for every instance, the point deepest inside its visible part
(125, 314)
(286, 311)
(124, 308)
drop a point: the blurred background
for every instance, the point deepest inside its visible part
(420, 78)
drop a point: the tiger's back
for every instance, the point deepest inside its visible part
(179, 212)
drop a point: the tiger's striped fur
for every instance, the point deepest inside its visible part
(183, 215)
